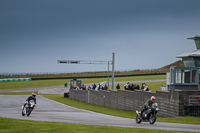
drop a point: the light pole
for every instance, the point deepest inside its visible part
(113, 70)
(93, 62)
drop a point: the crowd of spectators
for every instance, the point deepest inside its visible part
(136, 86)
(128, 86)
(98, 87)
(82, 87)
(131, 87)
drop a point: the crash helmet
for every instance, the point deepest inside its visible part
(33, 94)
(153, 98)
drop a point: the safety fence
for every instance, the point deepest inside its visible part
(192, 110)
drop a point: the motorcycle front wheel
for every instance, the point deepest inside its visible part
(138, 120)
(29, 111)
(23, 112)
(152, 119)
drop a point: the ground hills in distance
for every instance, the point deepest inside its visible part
(163, 69)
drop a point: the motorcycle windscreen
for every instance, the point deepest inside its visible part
(31, 103)
(155, 104)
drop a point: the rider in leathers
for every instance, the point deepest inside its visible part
(147, 105)
(32, 97)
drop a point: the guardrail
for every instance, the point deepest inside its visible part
(193, 100)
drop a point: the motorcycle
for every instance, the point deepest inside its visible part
(150, 114)
(28, 108)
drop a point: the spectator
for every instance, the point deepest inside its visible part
(94, 86)
(118, 87)
(89, 88)
(105, 88)
(126, 87)
(83, 87)
(99, 87)
(142, 86)
(145, 88)
(137, 87)
(132, 87)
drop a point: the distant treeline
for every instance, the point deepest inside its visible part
(101, 74)
(128, 75)
(63, 75)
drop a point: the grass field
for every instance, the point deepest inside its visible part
(8, 125)
(59, 82)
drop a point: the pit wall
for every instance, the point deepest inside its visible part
(170, 103)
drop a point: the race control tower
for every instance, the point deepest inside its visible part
(192, 59)
(186, 78)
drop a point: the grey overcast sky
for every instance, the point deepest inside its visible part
(143, 34)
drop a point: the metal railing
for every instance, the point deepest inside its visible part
(193, 100)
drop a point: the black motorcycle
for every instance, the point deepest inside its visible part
(28, 108)
(149, 113)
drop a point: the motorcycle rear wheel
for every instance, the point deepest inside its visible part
(138, 120)
(152, 119)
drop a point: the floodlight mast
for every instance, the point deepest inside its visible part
(113, 70)
(94, 62)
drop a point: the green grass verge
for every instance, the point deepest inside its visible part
(59, 82)
(8, 125)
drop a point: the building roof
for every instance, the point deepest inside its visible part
(195, 53)
(195, 37)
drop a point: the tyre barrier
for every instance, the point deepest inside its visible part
(15, 79)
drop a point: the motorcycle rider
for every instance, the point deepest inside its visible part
(32, 97)
(147, 105)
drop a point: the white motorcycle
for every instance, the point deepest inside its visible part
(28, 108)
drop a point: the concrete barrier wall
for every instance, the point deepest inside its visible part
(108, 99)
(171, 104)
(114, 100)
